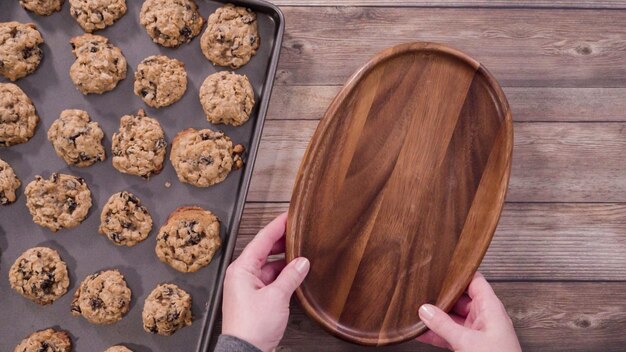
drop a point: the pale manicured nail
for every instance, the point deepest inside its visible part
(302, 265)
(427, 312)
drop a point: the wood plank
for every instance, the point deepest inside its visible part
(559, 242)
(605, 4)
(532, 242)
(569, 162)
(522, 47)
(552, 162)
(548, 316)
(527, 104)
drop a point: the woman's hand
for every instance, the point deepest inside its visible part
(257, 292)
(478, 322)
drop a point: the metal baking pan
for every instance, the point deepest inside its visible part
(86, 251)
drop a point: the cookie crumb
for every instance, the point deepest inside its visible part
(168, 184)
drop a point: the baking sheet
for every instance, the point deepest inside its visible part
(86, 251)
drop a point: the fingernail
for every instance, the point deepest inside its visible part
(302, 265)
(427, 312)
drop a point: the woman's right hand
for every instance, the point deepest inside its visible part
(478, 322)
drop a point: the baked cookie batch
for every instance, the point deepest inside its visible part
(191, 236)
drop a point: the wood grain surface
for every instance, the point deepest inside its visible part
(541, 104)
(608, 4)
(521, 47)
(534, 241)
(547, 317)
(563, 280)
(553, 162)
(400, 189)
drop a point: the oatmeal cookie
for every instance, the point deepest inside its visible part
(48, 340)
(40, 275)
(231, 37)
(102, 298)
(167, 309)
(20, 54)
(92, 15)
(77, 139)
(160, 81)
(171, 23)
(62, 201)
(118, 348)
(227, 97)
(9, 183)
(124, 220)
(99, 65)
(139, 146)
(42, 7)
(18, 118)
(204, 157)
(189, 239)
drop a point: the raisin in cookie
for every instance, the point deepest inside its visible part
(160, 81)
(40, 275)
(42, 7)
(62, 201)
(167, 309)
(92, 15)
(9, 183)
(18, 118)
(139, 146)
(231, 37)
(102, 298)
(77, 139)
(124, 220)
(227, 97)
(204, 157)
(118, 348)
(99, 65)
(189, 239)
(48, 340)
(171, 22)
(20, 54)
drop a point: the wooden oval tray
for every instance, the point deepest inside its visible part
(400, 191)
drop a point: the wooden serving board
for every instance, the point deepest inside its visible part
(400, 191)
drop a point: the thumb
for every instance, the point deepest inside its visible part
(292, 276)
(442, 324)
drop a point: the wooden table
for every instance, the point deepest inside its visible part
(558, 259)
